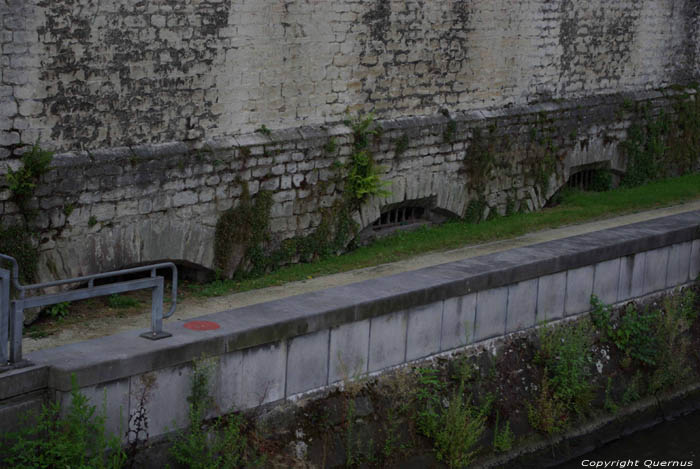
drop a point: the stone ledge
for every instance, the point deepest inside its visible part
(228, 142)
(126, 354)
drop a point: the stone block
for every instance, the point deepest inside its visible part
(522, 305)
(458, 319)
(579, 287)
(678, 264)
(169, 388)
(423, 331)
(349, 351)
(551, 294)
(655, 270)
(491, 310)
(251, 377)
(307, 362)
(606, 280)
(387, 341)
(631, 276)
(695, 260)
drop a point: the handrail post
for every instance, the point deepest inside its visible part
(4, 315)
(16, 324)
(157, 331)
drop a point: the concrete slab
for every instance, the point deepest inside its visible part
(579, 287)
(678, 264)
(458, 320)
(655, 270)
(111, 400)
(251, 377)
(631, 276)
(695, 260)
(491, 309)
(423, 331)
(522, 305)
(386, 347)
(551, 294)
(606, 280)
(168, 408)
(307, 362)
(349, 352)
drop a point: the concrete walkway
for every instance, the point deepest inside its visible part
(194, 307)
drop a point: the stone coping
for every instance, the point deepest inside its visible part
(126, 354)
(324, 131)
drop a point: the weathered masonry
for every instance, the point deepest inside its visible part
(273, 351)
(152, 108)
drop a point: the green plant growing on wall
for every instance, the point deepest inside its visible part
(78, 439)
(22, 182)
(19, 240)
(210, 445)
(241, 232)
(401, 145)
(450, 132)
(264, 130)
(362, 178)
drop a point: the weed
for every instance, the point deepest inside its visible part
(220, 444)
(565, 354)
(609, 403)
(19, 242)
(92, 221)
(68, 209)
(59, 310)
(450, 131)
(363, 179)
(23, 181)
(78, 439)
(633, 335)
(401, 145)
(461, 427)
(331, 146)
(548, 414)
(428, 397)
(503, 438)
(264, 130)
(122, 302)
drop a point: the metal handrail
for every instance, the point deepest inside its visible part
(11, 312)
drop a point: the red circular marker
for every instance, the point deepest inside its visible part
(202, 325)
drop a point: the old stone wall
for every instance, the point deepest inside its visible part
(103, 210)
(487, 107)
(93, 74)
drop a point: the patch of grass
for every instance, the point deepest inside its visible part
(576, 207)
(122, 302)
(59, 310)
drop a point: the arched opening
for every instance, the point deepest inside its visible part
(593, 177)
(404, 216)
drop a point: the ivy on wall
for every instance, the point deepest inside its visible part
(663, 145)
(19, 241)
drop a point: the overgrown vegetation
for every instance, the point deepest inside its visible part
(19, 240)
(243, 242)
(363, 178)
(457, 411)
(76, 440)
(220, 443)
(662, 145)
(22, 182)
(575, 207)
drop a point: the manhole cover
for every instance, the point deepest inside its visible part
(202, 325)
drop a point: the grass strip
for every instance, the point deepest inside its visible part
(575, 207)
